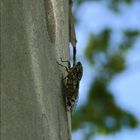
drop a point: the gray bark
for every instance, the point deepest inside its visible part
(34, 35)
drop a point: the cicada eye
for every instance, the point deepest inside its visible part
(79, 63)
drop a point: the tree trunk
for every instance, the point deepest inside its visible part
(34, 35)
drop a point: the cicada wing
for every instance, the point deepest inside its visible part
(75, 104)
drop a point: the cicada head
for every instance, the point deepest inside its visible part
(79, 69)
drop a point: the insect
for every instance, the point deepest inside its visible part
(72, 81)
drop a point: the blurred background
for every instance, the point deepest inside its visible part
(108, 34)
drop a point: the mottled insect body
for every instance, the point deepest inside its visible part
(72, 85)
(72, 81)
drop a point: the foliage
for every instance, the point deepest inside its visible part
(101, 114)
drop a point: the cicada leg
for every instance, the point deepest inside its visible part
(67, 62)
(62, 66)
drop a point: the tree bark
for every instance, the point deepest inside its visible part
(34, 35)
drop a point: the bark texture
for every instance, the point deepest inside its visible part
(34, 35)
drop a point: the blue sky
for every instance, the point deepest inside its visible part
(94, 17)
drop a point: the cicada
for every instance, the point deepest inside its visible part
(72, 80)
